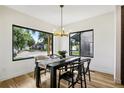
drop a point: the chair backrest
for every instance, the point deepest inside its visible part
(72, 66)
(79, 67)
(76, 66)
(83, 65)
(41, 57)
(86, 65)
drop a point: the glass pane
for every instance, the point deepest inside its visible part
(75, 44)
(87, 44)
(29, 43)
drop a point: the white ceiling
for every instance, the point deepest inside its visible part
(71, 13)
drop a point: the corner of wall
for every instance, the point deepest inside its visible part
(117, 67)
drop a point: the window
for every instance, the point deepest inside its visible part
(28, 43)
(75, 44)
(81, 43)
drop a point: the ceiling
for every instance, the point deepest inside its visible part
(71, 13)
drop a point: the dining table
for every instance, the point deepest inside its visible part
(53, 65)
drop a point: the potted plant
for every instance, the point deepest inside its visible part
(62, 53)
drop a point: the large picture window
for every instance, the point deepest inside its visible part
(28, 42)
(81, 43)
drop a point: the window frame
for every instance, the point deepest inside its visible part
(70, 51)
(13, 25)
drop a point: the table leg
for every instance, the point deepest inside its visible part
(53, 81)
(37, 76)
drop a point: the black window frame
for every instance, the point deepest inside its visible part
(70, 51)
(13, 25)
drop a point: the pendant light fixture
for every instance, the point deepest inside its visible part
(61, 33)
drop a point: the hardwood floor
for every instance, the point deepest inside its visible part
(98, 80)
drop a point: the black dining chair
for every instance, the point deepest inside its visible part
(72, 75)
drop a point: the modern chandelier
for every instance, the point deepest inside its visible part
(61, 32)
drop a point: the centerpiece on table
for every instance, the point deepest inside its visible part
(62, 53)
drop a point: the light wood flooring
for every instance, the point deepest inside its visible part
(98, 80)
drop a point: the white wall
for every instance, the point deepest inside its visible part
(9, 68)
(104, 40)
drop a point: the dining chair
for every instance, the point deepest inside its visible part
(42, 68)
(72, 75)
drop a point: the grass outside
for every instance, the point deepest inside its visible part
(75, 52)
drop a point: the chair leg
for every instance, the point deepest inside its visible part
(68, 83)
(58, 83)
(81, 82)
(89, 75)
(72, 85)
(85, 81)
(45, 71)
(72, 82)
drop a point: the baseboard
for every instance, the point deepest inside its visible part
(118, 81)
(6, 77)
(100, 72)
